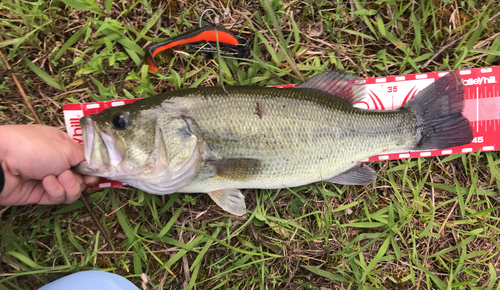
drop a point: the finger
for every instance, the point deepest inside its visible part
(23, 193)
(36, 191)
(71, 149)
(91, 180)
(73, 185)
(76, 155)
(54, 191)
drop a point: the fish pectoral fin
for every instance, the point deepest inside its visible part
(230, 200)
(358, 175)
(236, 168)
(337, 84)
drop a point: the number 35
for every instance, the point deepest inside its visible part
(392, 89)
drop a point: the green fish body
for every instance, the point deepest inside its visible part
(301, 137)
(217, 141)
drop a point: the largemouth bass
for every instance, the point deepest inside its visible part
(216, 141)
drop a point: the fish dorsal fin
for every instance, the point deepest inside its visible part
(230, 200)
(236, 168)
(358, 175)
(341, 85)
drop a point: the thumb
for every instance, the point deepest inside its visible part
(74, 153)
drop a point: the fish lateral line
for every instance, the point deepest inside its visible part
(248, 135)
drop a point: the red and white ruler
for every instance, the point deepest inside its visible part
(481, 107)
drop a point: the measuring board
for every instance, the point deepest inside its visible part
(481, 108)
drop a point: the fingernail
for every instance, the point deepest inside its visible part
(93, 180)
(50, 183)
(67, 178)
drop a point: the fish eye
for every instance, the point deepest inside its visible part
(120, 121)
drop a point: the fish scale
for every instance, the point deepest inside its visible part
(303, 136)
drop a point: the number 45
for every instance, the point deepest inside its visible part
(478, 139)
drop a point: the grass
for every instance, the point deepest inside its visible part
(428, 223)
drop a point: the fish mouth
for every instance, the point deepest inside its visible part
(103, 152)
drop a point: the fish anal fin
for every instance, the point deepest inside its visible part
(337, 84)
(358, 175)
(230, 200)
(237, 168)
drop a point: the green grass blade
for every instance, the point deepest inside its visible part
(493, 277)
(42, 74)
(108, 4)
(10, 42)
(22, 39)
(381, 252)
(203, 251)
(495, 46)
(477, 33)
(281, 39)
(75, 243)
(57, 231)
(85, 5)
(72, 40)
(29, 262)
(171, 222)
(364, 225)
(439, 283)
(122, 219)
(326, 274)
(346, 206)
(147, 27)
(182, 252)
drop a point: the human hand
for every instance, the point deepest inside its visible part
(36, 161)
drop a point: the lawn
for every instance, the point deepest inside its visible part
(426, 223)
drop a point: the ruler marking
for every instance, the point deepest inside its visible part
(117, 103)
(490, 102)
(93, 106)
(486, 123)
(477, 107)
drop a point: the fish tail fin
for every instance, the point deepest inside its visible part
(438, 112)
